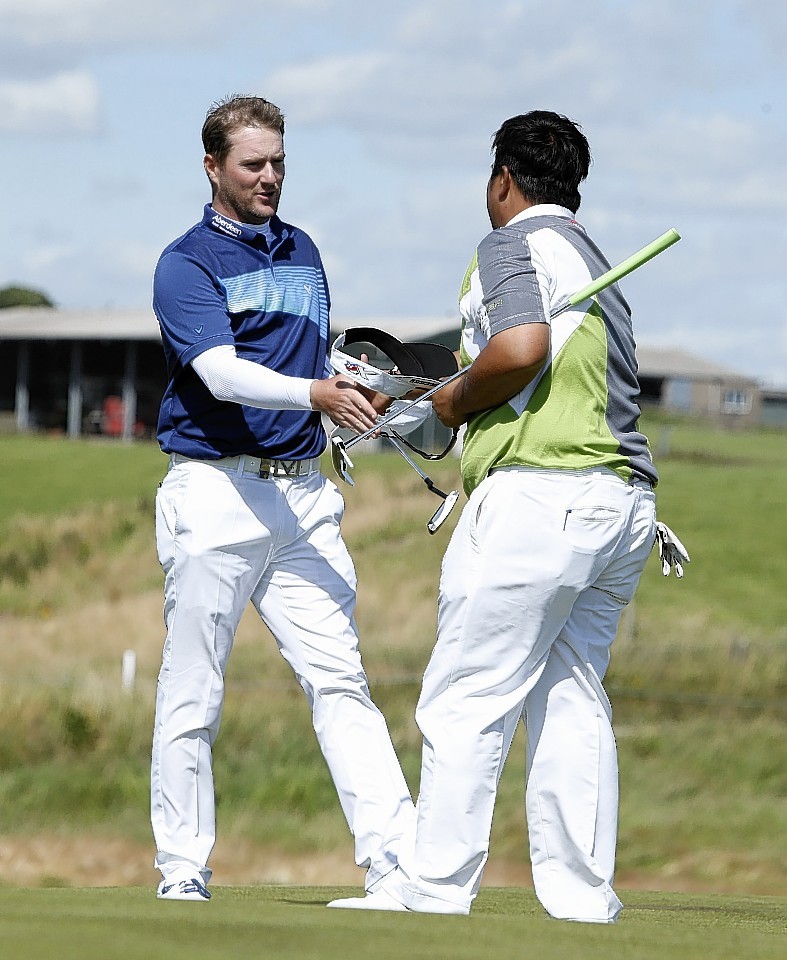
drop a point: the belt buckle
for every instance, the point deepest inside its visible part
(278, 468)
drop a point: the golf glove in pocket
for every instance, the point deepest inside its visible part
(672, 553)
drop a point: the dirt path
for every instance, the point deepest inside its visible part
(54, 860)
(50, 859)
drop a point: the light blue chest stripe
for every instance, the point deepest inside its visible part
(294, 290)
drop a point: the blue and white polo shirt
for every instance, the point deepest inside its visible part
(264, 292)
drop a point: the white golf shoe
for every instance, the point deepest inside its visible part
(191, 889)
(379, 900)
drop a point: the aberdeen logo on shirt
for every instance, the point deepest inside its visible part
(226, 226)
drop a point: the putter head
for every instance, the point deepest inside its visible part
(340, 459)
(441, 513)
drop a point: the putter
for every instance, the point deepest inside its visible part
(341, 461)
(449, 499)
(342, 464)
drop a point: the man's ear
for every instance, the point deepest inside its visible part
(211, 167)
(504, 184)
(510, 193)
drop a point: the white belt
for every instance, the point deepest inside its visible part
(245, 464)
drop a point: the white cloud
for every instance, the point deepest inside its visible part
(73, 28)
(319, 91)
(687, 138)
(672, 101)
(711, 160)
(133, 260)
(64, 103)
(47, 256)
(390, 111)
(36, 23)
(79, 273)
(441, 68)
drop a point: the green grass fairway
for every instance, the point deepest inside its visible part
(292, 923)
(51, 475)
(698, 681)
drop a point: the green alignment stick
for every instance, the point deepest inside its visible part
(623, 269)
(596, 286)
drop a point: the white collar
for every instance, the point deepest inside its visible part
(543, 210)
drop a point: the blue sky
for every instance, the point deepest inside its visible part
(390, 110)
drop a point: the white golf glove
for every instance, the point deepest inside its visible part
(413, 415)
(672, 553)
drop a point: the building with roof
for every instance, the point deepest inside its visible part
(80, 371)
(102, 371)
(681, 382)
(773, 404)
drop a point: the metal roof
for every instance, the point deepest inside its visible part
(43, 323)
(680, 364)
(406, 328)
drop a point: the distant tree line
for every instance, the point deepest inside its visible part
(23, 297)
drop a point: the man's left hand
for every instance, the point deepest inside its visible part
(445, 406)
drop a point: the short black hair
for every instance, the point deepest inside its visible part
(547, 155)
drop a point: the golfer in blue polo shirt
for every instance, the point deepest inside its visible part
(244, 513)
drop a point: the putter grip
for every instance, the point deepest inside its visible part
(627, 266)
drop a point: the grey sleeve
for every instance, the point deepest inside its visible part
(511, 292)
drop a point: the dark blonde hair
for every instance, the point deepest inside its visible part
(232, 113)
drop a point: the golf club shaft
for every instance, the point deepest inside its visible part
(612, 275)
(427, 480)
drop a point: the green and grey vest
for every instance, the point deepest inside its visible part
(581, 410)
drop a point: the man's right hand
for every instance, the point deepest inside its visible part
(343, 402)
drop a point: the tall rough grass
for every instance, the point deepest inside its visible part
(698, 676)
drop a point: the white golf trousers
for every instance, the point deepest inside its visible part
(225, 539)
(534, 580)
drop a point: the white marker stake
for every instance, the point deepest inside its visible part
(128, 671)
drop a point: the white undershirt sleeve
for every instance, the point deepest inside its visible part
(229, 377)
